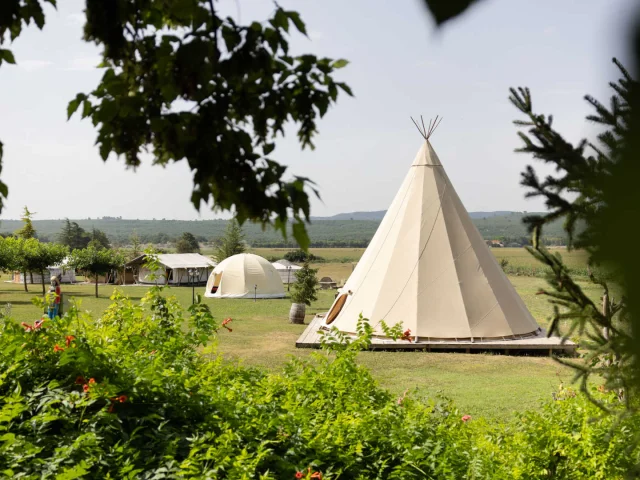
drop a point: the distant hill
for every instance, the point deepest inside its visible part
(337, 231)
(492, 214)
(378, 215)
(354, 216)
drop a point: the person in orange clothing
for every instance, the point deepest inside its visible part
(54, 307)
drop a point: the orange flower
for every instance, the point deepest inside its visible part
(92, 380)
(406, 335)
(466, 418)
(26, 326)
(80, 380)
(58, 348)
(122, 398)
(225, 322)
(69, 339)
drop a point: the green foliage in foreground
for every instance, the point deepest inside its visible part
(131, 396)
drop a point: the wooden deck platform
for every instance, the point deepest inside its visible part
(310, 338)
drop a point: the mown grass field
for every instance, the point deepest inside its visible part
(493, 386)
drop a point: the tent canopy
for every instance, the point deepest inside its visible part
(177, 260)
(288, 271)
(429, 268)
(244, 276)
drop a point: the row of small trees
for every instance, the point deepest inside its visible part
(29, 256)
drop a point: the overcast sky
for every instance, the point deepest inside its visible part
(400, 66)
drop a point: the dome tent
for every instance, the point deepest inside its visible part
(245, 276)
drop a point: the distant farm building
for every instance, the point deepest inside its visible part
(173, 269)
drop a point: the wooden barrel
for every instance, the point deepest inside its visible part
(296, 314)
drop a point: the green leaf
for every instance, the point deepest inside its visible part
(280, 20)
(340, 63)
(86, 108)
(7, 56)
(345, 88)
(300, 234)
(268, 148)
(446, 10)
(297, 21)
(74, 104)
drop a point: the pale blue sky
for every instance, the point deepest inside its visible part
(400, 66)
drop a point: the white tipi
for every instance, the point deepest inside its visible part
(428, 267)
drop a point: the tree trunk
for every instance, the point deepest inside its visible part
(31, 277)
(96, 285)
(24, 277)
(42, 277)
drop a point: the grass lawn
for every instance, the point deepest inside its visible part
(494, 386)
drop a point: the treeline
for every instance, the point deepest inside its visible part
(323, 233)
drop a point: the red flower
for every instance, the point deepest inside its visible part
(466, 418)
(58, 348)
(69, 339)
(122, 398)
(80, 380)
(406, 335)
(299, 474)
(26, 326)
(85, 387)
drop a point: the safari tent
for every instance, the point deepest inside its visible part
(173, 269)
(286, 270)
(428, 268)
(245, 276)
(67, 274)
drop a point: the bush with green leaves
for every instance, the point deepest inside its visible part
(141, 393)
(306, 286)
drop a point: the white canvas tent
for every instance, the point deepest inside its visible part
(173, 269)
(67, 274)
(244, 276)
(286, 270)
(428, 267)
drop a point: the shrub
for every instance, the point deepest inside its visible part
(306, 286)
(138, 393)
(300, 256)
